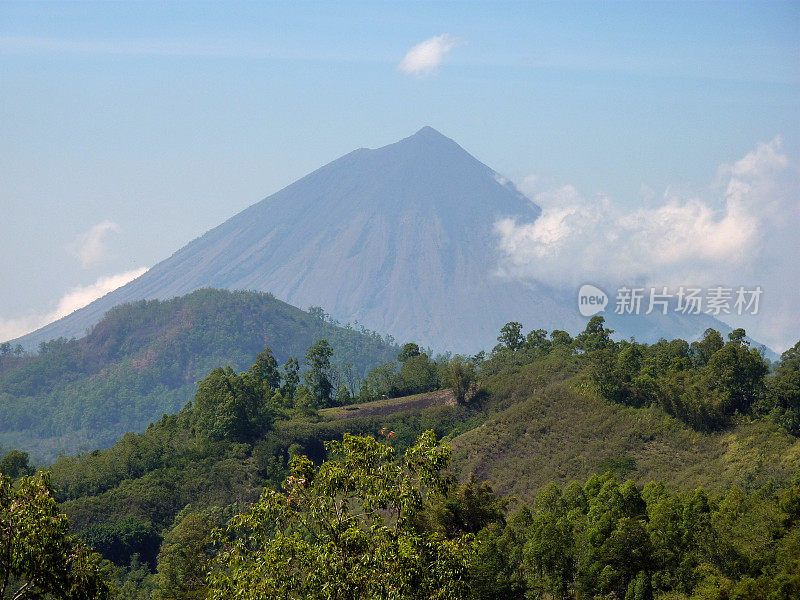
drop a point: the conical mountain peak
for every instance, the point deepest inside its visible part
(429, 137)
(429, 133)
(399, 238)
(388, 237)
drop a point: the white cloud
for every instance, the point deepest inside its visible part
(76, 298)
(90, 247)
(743, 231)
(425, 57)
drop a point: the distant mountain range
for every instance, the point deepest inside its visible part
(399, 239)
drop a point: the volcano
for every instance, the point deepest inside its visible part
(399, 239)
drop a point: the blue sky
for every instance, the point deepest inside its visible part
(160, 120)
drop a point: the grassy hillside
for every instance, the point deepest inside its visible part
(143, 360)
(556, 428)
(706, 414)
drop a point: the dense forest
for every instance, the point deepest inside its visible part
(144, 360)
(553, 467)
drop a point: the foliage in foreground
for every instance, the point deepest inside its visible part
(348, 529)
(368, 524)
(38, 556)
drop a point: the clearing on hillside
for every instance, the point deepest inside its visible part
(388, 406)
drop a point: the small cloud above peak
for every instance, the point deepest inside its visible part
(425, 57)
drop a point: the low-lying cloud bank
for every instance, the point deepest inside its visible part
(76, 298)
(741, 231)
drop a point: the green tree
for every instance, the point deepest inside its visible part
(380, 381)
(468, 508)
(265, 374)
(615, 369)
(185, 557)
(122, 540)
(409, 350)
(462, 378)
(497, 568)
(511, 336)
(704, 349)
(603, 369)
(560, 338)
(318, 376)
(550, 550)
(38, 556)
(595, 336)
(232, 407)
(618, 542)
(15, 464)
(291, 378)
(537, 340)
(417, 374)
(318, 313)
(738, 335)
(346, 530)
(784, 388)
(738, 372)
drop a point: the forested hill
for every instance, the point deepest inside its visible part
(144, 360)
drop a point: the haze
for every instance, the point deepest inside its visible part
(129, 129)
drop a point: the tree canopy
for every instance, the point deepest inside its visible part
(347, 530)
(38, 556)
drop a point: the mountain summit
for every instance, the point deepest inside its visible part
(399, 238)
